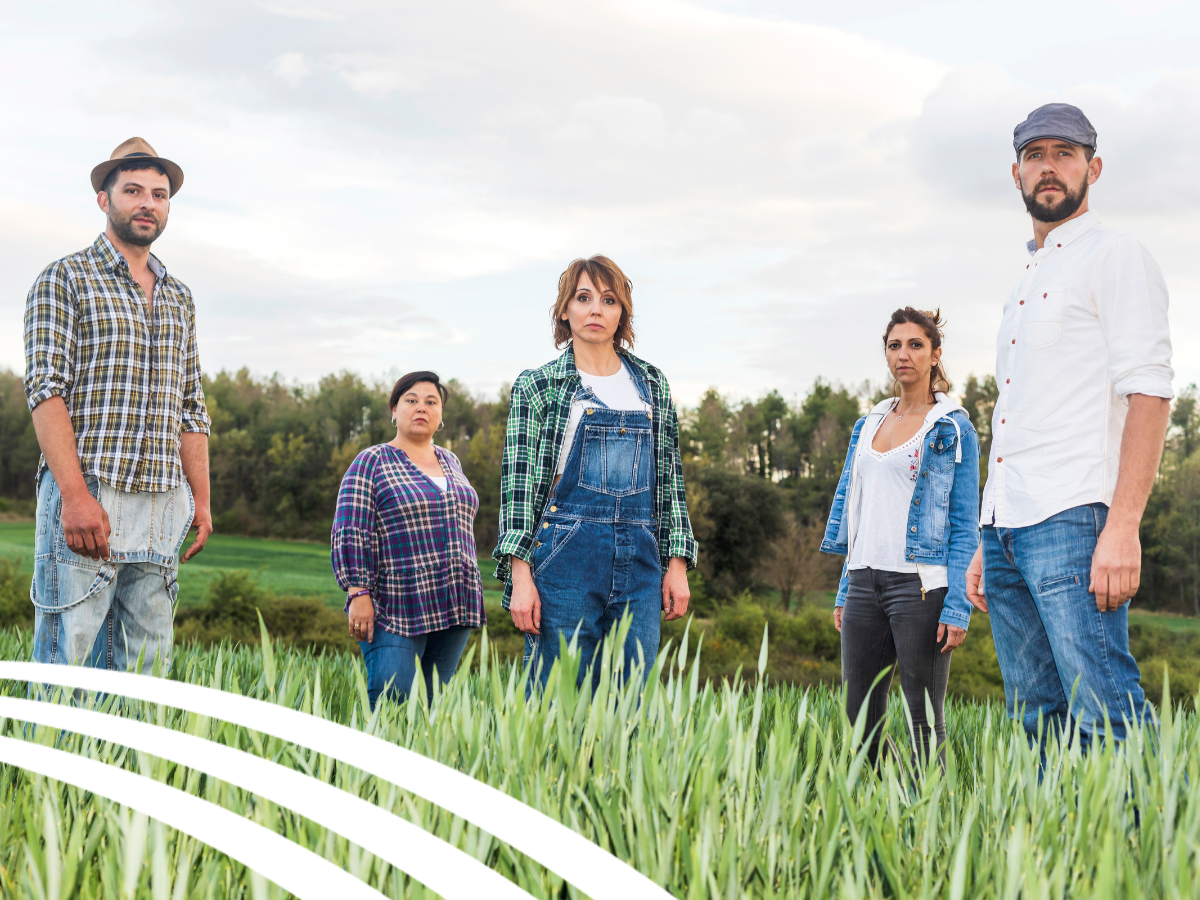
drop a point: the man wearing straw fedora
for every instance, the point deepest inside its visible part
(112, 377)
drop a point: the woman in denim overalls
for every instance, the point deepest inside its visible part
(593, 515)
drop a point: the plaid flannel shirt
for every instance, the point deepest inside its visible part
(131, 387)
(411, 543)
(537, 423)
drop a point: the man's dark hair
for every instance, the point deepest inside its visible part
(133, 165)
(405, 384)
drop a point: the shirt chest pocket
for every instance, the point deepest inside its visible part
(1042, 322)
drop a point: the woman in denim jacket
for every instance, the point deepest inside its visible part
(906, 517)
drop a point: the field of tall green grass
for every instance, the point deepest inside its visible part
(730, 790)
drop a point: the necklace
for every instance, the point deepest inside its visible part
(901, 415)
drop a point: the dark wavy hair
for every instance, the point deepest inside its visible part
(931, 323)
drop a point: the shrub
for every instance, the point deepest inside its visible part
(231, 613)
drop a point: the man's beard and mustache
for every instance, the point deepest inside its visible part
(1066, 207)
(126, 231)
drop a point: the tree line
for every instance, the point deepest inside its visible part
(761, 473)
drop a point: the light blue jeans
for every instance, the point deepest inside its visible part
(104, 613)
(1051, 640)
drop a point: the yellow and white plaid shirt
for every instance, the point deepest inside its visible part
(131, 386)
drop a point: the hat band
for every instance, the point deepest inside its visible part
(137, 153)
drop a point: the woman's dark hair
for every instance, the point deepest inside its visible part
(931, 323)
(405, 384)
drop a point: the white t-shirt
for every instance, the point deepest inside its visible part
(888, 481)
(615, 391)
(439, 480)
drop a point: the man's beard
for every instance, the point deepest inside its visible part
(123, 226)
(1063, 209)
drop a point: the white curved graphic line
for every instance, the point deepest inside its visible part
(586, 865)
(414, 851)
(289, 865)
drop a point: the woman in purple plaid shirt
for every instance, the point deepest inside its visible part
(404, 548)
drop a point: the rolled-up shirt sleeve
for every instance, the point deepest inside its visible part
(194, 413)
(353, 543)
(51, 323)
(1130, 297)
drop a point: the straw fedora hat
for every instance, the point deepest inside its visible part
(136, 148)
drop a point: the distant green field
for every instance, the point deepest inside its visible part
(288, 568)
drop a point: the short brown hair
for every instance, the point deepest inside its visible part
(931, 323)
(606, 275)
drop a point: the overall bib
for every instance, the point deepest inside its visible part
(596, 552)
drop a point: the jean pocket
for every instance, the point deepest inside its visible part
(557, 536)
(1058, 585)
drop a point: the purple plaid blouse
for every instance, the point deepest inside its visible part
(410, 542)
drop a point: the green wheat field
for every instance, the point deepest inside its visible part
(734, 789)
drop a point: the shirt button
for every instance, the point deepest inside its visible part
(1022, 303)
(999, 459)
(1014, 340)
(914, 528)
(1058, 245)
(1007, 380)
(912, 555)
(1002, 421)
(1045, 295)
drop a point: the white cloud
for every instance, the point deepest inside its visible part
(376, 185)
(291, 67)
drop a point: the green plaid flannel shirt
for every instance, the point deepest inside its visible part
(131, 386)
(537, 423)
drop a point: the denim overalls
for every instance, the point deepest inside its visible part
(595, 555)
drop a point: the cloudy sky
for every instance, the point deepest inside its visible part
(386, 186)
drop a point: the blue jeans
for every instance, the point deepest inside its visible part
(596, 556)
(1049, 633)
(392, 660)
(104, 613)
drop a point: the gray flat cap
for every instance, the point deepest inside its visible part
(1055, 120)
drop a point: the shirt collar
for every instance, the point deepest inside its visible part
(112, 258)
(1066, 232)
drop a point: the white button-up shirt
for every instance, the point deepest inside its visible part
(1085, 328)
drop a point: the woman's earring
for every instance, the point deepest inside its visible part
(393, 420)
(441, 425)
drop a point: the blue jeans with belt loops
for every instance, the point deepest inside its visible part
(1060, 656)
(596, 555)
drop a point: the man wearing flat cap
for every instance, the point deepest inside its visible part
(112, 376)
(1083, 364)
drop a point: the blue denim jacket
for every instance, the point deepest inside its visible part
(943, 520)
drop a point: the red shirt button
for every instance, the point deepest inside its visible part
(999, 459)
(1014, 340)
(1045, 295)
(1007, 380)
(1002, 421)
(1022, 302)
(1058, 245)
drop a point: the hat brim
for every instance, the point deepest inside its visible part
(1054, 137)
(174, 173)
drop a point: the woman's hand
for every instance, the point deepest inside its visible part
(525, 606)
(675, 588)
(953, 635)
(837, 618)
(362, 617)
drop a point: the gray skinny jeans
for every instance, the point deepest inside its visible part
(885, 621)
